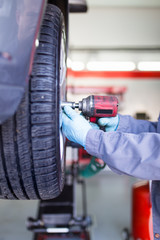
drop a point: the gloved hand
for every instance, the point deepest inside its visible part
(74, 126)
(110, 124)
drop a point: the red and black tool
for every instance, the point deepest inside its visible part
(96, 106)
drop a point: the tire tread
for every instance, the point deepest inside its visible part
(28, 166)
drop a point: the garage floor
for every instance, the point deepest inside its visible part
(108, 197)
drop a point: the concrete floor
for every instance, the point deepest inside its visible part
(108, 197)
(109, 202)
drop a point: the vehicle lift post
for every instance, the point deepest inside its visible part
(57, 218)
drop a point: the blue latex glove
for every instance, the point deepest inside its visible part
(74, 126)
(110, 124)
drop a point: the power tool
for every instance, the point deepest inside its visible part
(96, 106)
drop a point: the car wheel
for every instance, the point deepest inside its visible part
(32, 146)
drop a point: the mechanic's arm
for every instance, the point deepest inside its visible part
(137, 155)
(132, 149)
(131, 125)
(128, 124)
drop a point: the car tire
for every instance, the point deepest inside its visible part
(32, 146)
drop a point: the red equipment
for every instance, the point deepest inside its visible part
(96, 106)
(142, 226)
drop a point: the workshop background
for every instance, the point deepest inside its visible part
(114, 48)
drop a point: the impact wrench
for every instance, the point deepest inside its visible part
(96, 106)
